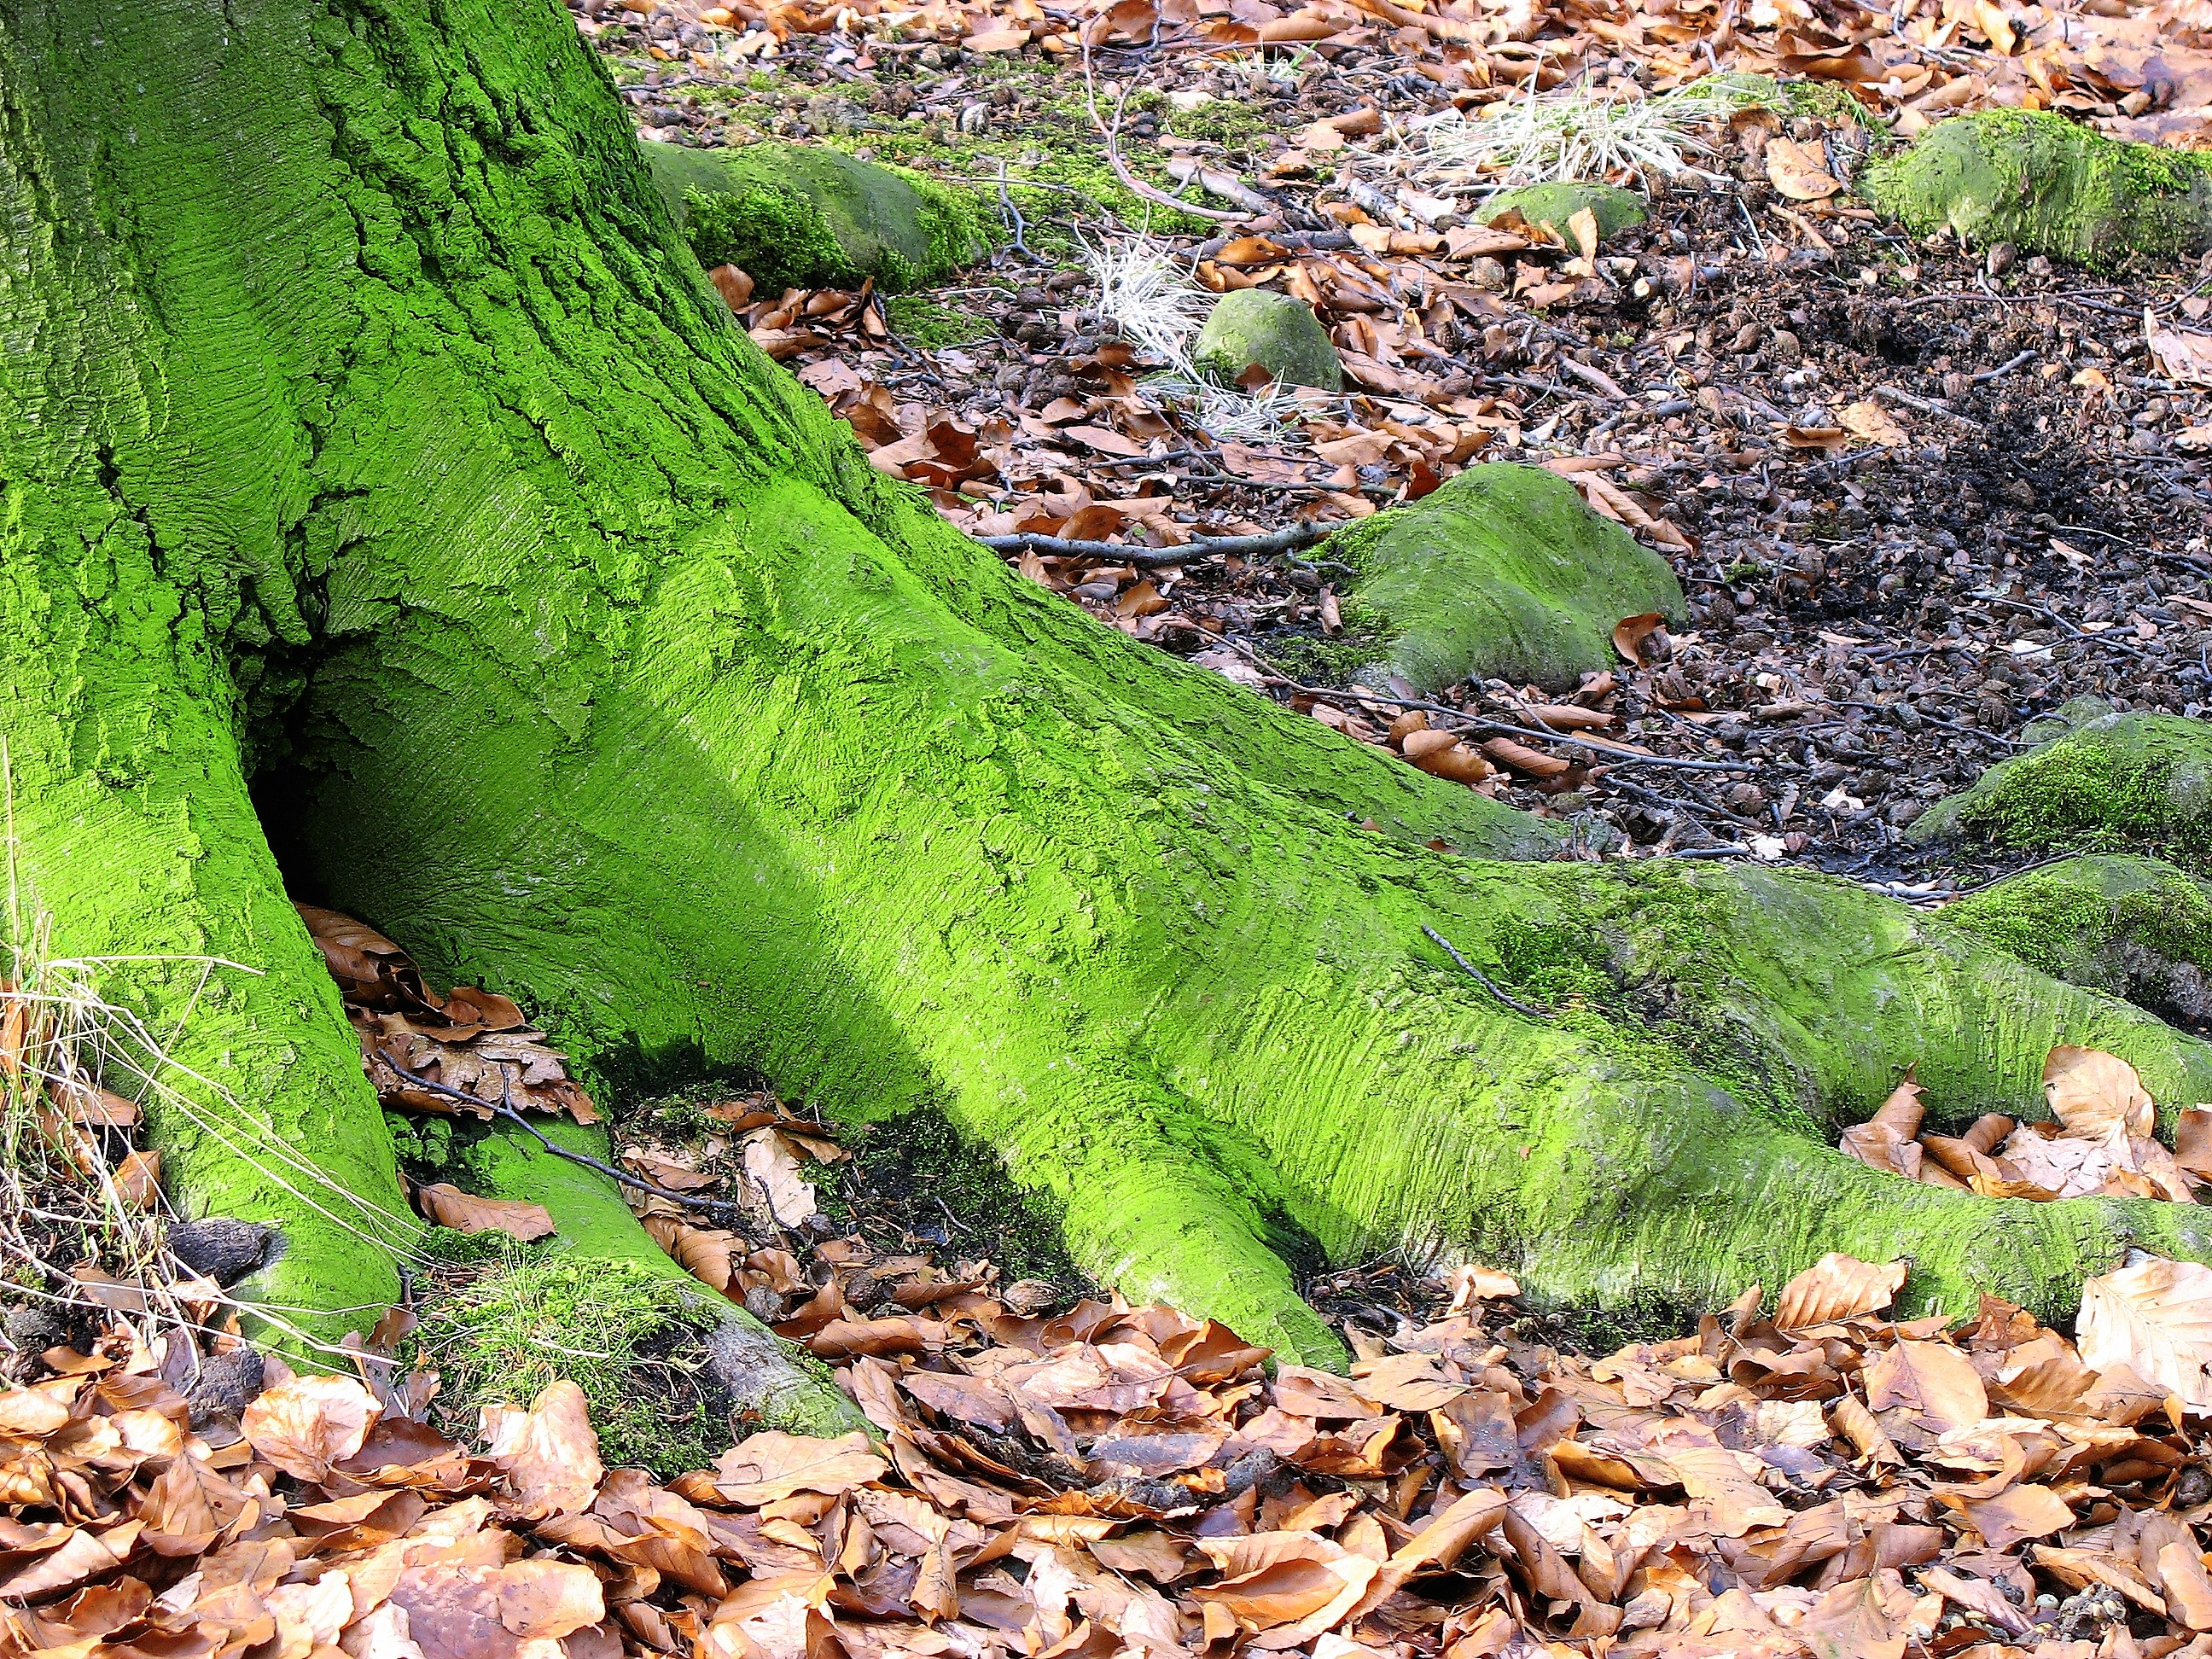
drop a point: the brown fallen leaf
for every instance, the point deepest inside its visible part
(766, 1467)
(1868, 420)
(1799, 172)
(550, 1453)
(1837, 1287)
(309, 1423)
(2096, 1094)
(1641, 640)
(2156, 1319)
(465, 1213)
(1878, 1142)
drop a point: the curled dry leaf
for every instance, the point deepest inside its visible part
(1799, 172)
(1641, 640)
(1837, 1287)
(550, 1453)
(304, 1425)
(2154, 1318)
(1879, 1141)
(2095, 1094)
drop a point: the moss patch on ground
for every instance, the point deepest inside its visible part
(2100, 782)
(628, 1337)
(1503, 572)
(918, 320)
(806, 215)
(2049, 185)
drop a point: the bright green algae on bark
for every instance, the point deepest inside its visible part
(1501, 572)
(631, 690)
(2101, 781)
(2134, 928)
(2050, 186)
(802, 216)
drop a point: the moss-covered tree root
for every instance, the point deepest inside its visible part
(2096, 781)
(367, 428)
(2049, 185)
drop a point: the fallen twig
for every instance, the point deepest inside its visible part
(1286, 540)
(1484, 980)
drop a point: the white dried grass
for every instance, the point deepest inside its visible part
(1152, 298)
(1577, 133)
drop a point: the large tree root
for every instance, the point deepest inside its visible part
(575, 646)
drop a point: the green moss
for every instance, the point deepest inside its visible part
(1315, 660)
(1237, 127)
(2049, 185)
(1255, 327)
(920, 320)
(638, 694)
(630, 1338)
(1503, 572)
(1553, 204)
(2133, 927)
(2110, 782)
(802, 216)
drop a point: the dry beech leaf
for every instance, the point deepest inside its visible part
(465, 1213)
(1925, 1389)
(1877, 1142)
(2095, 1094)
(1837, 1287)
(765, 1467)
(304, 1425)
(1799, 172)
(1868, 420)
(2154, 1318)
(1631, 634)
(550, 1453)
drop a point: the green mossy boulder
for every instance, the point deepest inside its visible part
(1554, 205)
(2096, 781)
(801, 215)
(2048, 186)
(2132, 927)
(1278, 333)
(1504, 573)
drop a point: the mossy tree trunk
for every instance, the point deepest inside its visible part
(369, 437)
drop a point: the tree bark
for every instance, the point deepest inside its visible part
(367, 432)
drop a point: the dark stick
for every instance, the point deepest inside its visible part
(1286, 540)
(1483, 979)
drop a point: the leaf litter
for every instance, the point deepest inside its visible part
(1820, 1479)
(1886, 468)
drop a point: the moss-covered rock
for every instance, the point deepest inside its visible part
(800, 216)
(2132, 927)
(1555, 204)
(1278, 333)
(2049, 185)
(1501, 572)
(2097, 781)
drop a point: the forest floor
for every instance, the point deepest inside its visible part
(1917, 494)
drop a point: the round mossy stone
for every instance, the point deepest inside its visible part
(801, 215)
(1280, 334)
(2048, 186)
(1554, 205)
(1503, 572)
